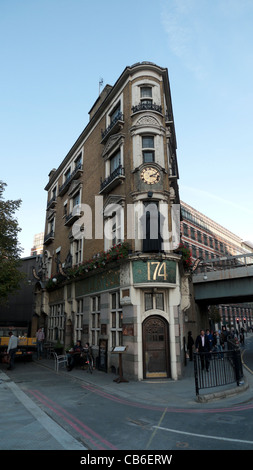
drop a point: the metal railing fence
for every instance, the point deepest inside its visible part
(214, 369)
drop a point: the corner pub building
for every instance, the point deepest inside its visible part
(104, 278)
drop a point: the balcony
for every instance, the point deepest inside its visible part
(51, 203)
(73, 176)
(114, 127)
(49, 238)
(115, 178)
(147, 107)
(73, 216)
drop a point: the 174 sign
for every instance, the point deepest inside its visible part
(154, 271)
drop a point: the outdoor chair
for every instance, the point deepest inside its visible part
(59, 359)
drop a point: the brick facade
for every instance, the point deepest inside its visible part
(123, 162)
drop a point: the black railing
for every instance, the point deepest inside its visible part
(69, 178)
(120, 171)
(147, 107)
(52, 202)
(224, 367)
(49, 237)
(119, 117)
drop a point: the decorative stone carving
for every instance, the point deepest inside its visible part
(185, 293)
(148, 121)
(113, 141)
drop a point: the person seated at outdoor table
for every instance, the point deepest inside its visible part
(74, 355)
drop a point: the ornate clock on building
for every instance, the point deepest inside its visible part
(150, 175)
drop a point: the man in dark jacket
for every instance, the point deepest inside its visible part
(203, 347)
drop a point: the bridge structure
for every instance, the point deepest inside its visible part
(224, 280)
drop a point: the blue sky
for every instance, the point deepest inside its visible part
(53, 54)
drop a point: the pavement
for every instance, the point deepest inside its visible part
(21, 417)
(178, 393)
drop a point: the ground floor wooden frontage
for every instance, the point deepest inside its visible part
(135, 305)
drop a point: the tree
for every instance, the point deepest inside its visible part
(214, 314)
(10, 250)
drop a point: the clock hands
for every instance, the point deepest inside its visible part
(150, 175)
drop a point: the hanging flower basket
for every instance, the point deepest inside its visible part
(186, 254)
(99, 261)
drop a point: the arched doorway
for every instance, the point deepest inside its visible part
(156, 360)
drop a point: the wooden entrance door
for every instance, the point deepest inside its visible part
(156, 361)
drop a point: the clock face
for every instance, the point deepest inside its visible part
(150, 175)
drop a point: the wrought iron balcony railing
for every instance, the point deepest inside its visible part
(119, 119)
(147, 107)
(113, 179)
(75, 174)
(73, 216)
(52, 202)
(49, 237)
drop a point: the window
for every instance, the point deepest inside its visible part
(148, 301)
(185, 228)
(146, 95)
(74, 207)
(115, 161)
(114, 230)
(199, 236)
(76, 199)
(148, 149)
(78, 161)
(154, 301)
(151, 228)
(54, 193)
(194, 251)
(192, 233)
(116, 320)
(115, 114)
(56, 323)
(95, 319)
(79, 321)
(67, 175)
(65, 209)
(114, 165)
(77, 251)
(113, 225)
(51, 226)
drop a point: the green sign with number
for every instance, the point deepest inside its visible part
(154, 271)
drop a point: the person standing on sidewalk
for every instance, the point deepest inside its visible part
(203, 347)
(190, 344)
(12, 349)
(218, 344)
(40, 338)
(224, 336)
